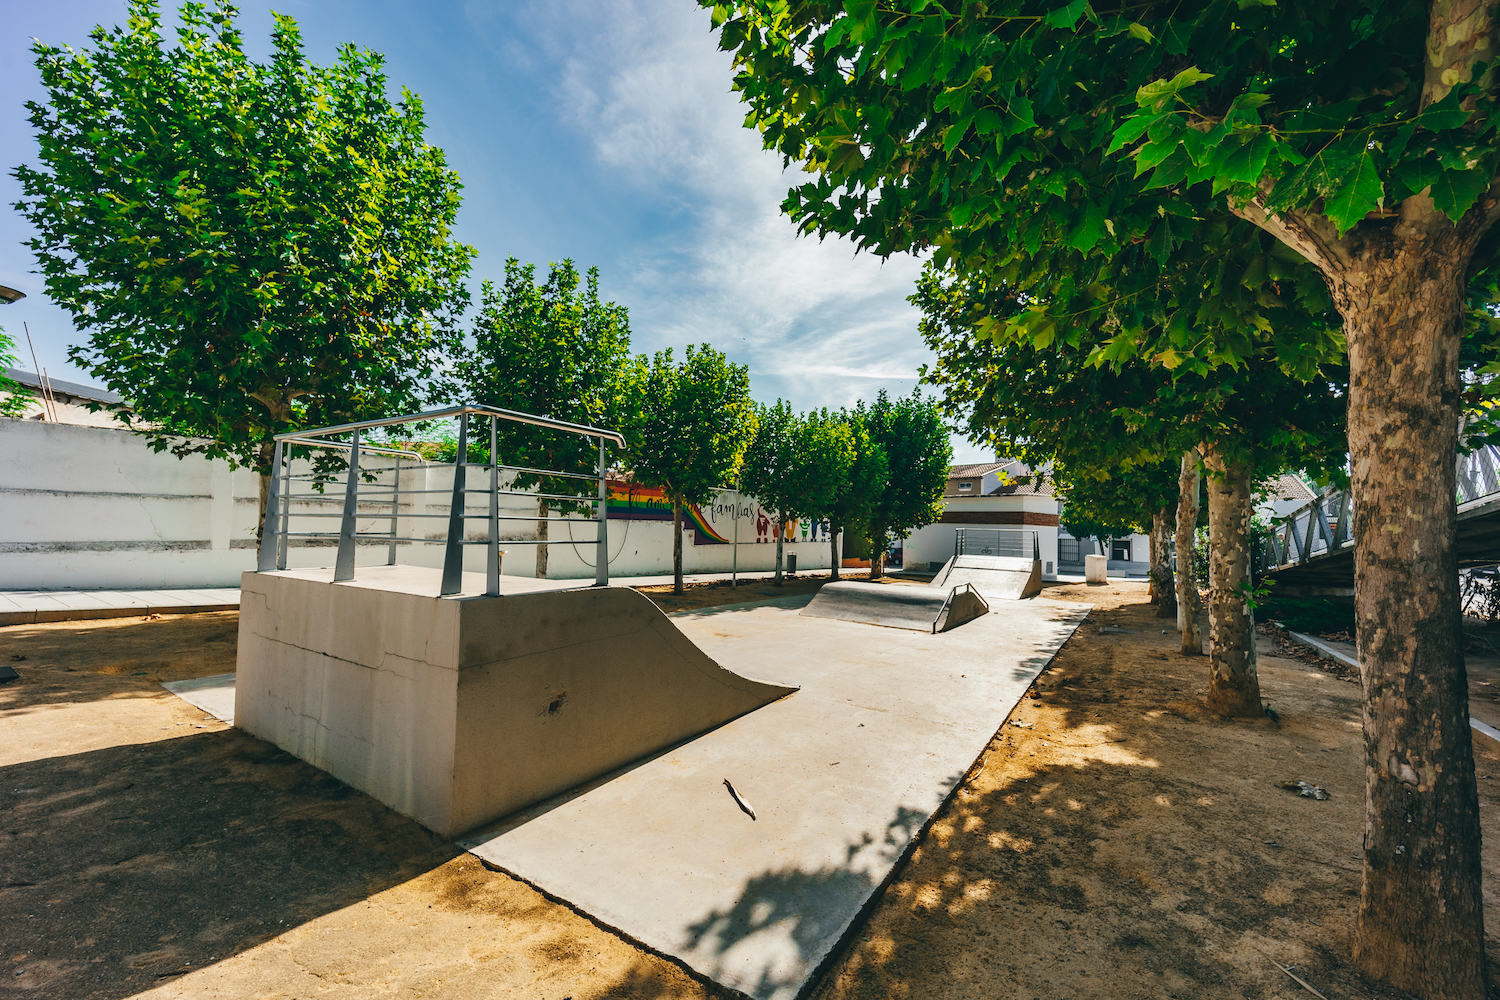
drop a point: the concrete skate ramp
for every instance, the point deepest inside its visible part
(459, 710)
(1006, 578)
(922, 609)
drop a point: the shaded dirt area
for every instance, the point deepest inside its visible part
(148, 850)
(1118, 842)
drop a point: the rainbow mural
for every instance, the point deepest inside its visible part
(632, 502)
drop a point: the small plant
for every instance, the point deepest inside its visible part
(1255, 594)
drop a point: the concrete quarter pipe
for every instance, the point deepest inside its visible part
(458, 710)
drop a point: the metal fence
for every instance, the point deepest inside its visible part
(997, 542)
(280, 512)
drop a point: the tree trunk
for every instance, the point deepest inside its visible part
(1189, 605)
(780, 537)
(677, 587)
(833, 547)
(877, 553)
(1161, 561)
(1421, 921)
(541, 534)
(1233, 687)
(267, 452)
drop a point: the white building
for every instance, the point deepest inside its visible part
(996, 502)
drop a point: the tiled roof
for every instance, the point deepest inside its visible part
(966, 471)
(1289, 487)
(1036, 486)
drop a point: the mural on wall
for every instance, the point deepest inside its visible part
(712, 523)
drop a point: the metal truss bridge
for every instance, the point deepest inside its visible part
(1314, 546)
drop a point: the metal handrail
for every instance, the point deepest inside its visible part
(275, 532)
(961, 535)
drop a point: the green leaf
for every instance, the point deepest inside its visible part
(1066, 17)
(1142, 32)
(1158, 93)
(1130, 130)
(1455, 191)
(1360, 194)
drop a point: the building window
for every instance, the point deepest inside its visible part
(1067, 551)
(965, 487)
(1120, 551)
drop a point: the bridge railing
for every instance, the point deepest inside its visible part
(1326, 524)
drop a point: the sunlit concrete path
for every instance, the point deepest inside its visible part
(841, 777)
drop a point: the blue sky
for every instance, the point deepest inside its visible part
(602, 130)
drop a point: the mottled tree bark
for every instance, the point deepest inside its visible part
(677, 587)
(1189, 606)
(1421, 914)
(833, 546)
(1233, 687)
(541, 534)
(780, 537)
(1162, 583)
(877, 554)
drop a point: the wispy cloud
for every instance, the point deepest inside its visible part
(816, 322)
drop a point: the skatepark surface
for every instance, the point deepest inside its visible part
(841, 777)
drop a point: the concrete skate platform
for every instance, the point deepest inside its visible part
(1005, 578)
(922, 609)
(842, 776)
(458, 710)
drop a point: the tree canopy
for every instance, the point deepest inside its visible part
(688, 428)
(251, 247)
(553, 349)
(914, 441)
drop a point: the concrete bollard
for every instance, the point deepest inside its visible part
(1094, 569)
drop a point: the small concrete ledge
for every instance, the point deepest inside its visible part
(459, 710)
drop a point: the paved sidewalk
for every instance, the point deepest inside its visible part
(26, 607)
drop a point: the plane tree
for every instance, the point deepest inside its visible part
(768, 469)
(910, 433)
(688, 427)
(851, 506)
(251, 247)
(1360, 135)
(556, 349)
(1132, 421)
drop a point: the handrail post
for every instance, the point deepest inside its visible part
(453, 555)
(492, 550)
(286, 510)
(395, 512)
(601, 557)
(269, 523)
(343, 568)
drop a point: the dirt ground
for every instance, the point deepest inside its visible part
(1113, 842)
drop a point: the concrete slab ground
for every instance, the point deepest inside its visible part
(842, 776)
(215, 695)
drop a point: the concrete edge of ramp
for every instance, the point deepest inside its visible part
(963, 605)
(887, 605)
(1008, 578)
(459, 711)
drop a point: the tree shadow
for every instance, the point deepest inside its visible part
(798, 915)
(124, 867)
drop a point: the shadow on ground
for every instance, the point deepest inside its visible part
(123, 866)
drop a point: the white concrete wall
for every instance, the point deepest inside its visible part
(95, 508)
